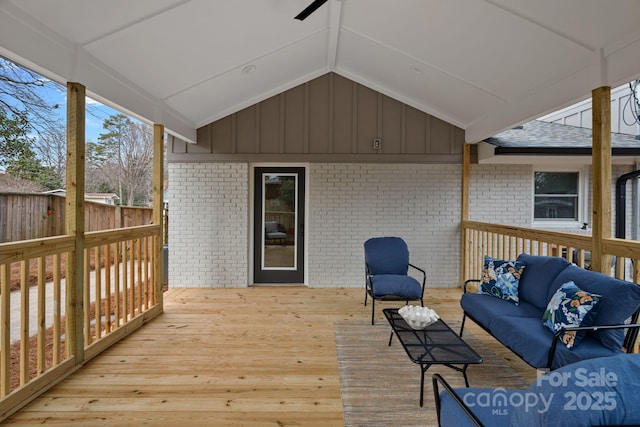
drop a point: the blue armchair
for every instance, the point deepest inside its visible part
(386, 273)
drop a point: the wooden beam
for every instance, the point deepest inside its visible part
(466, 179)
(158, 202)
(74, 219)
(601, 167)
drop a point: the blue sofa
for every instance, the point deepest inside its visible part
(520, 328)
(596, 392)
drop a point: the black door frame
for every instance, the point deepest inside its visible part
(274, 275)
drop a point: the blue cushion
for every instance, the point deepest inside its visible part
(391, 284)
(589, 348)
(537, 278)
(386, 255)
(619, 300)
(570, 306)
(533, 346)
(594, 392)
(476, 400)
(484, 308)
(500, 278)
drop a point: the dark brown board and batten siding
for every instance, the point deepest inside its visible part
(328, 119)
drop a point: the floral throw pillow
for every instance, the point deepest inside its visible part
(501, 278)
(570, 306)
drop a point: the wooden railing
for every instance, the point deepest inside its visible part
(120, 293)
(507, 242)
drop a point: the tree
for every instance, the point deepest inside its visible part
(127, 149)
(28, 167)
(14, 140)
(51, 149)
(30, 130)
(17, 156)
(21, 95)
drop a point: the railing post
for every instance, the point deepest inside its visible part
(158, 204)
(74, 221)
(466, 177)
(601, 165)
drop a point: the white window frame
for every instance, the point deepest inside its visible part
(583, 174)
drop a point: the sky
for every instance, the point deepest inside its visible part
(95, 115)
(96, 112)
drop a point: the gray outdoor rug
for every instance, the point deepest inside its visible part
(381, 386)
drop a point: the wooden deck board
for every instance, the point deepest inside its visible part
(252, 356)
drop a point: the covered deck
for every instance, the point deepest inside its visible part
(268, 355)
(255, 356)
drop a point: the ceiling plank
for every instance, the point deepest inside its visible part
(335, 21)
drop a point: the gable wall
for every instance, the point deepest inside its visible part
(328, 119)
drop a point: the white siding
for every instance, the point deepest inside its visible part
(580, 114)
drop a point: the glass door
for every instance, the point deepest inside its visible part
(279, 225)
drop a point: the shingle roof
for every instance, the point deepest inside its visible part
(538, 137)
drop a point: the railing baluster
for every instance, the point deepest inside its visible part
(145, 269)
(98, 294)
(139, 285)
(116, 280)
(57, 304)
(24, 322)
(5, 331)
(132, 280)
(125, 286)
(87, 298)
(42, 320)
(152, 271)
(107, 289)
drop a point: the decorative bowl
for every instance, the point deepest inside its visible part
(418, 317)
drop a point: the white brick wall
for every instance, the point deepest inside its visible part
(351, 202)
(501, 194)
(348, 203)
(209, 210)
(208, 224)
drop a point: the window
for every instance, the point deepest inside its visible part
(556, 197)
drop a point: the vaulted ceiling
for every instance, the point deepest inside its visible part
(482, 65)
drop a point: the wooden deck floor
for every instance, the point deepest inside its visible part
(261, 356)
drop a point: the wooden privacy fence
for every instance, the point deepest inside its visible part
(35, 216)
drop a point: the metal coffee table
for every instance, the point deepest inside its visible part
(437, 344)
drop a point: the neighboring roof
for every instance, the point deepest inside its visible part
(483, 66)
(539, 137)
(62, 191)
(101, 196)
